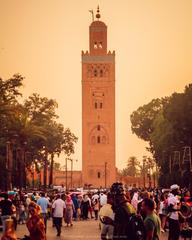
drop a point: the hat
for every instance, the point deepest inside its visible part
(174, 187)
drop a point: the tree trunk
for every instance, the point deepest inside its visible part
(51, 170)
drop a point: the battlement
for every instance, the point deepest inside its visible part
(87, 53)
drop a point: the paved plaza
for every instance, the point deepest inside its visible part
(87, 230)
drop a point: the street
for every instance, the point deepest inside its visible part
(80, 230)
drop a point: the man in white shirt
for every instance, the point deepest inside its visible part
(173, 206)
(58, 209)
(106, 216)
(103, 199)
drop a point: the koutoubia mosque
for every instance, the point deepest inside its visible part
(98, 117)
(98, 109)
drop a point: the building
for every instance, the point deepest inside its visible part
(98, 109)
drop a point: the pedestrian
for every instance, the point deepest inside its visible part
(76, 206)
(58, 209)
(6, 207)
(96, 208)
(35, 223)
(152, 222)
(173, 207)
(106, 216)
(85, 205)
(103, 199)
(69, 211)
(43, 203)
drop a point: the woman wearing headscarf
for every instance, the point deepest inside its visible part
(35, 223)
(69, 211)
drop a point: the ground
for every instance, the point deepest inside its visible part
(81, 230)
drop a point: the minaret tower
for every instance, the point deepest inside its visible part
(98, 109)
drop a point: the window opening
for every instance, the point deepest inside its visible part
(95, 72)
(100, 45)
(98, 139)
(95, 105)
(95, 45)
(101, 105)
(101, 73)
(99, 175)
(98, 127)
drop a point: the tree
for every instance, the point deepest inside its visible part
(132, 168)
(166, 125)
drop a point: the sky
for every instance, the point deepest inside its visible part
(43, 40)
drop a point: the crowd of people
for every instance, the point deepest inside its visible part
(132, 214)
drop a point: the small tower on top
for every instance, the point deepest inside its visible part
(98, 36)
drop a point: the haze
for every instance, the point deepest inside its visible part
(43, 39)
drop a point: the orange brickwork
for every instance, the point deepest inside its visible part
(98, 109)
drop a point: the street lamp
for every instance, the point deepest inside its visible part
(105, 175)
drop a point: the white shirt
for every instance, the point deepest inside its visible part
(95, 196)
(173, 200)
(103, 199)
(58, 207)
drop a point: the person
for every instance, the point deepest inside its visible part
(163, 211)
(123, 211)
(43, 203)
(69, 211)
(85, 204)
(9, 233)
(106, 216)
(76, 206)
(152, 222)
(58, 209)
(103, 199)
(6, 207)
(35, 223)
(96, 208)
(173, 207)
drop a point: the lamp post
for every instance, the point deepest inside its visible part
(66, 173)
(105, 175)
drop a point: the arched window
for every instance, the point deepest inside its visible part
(98, 127)
(95, 105)
(98, 139)
(99, 175)
(100, 45)
(95, 73)
(101, 73)
(95, 45)
(101, 105)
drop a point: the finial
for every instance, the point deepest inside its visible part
(98, 15)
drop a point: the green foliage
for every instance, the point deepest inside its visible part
(31, 128)
(166, 125)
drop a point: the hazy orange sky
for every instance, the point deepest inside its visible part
(43, 39)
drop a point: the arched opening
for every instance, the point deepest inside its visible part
(95, 72)
(101, 73)
(98, 139)
(95, 45)
(99, 175)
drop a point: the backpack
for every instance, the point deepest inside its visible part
(128, 225)
(136, 229)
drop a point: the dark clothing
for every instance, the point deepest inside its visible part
(6, 207)
(58, 223)
(85, 209)
(174, 229)
(122, 212)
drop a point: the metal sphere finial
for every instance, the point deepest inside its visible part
(98, 15)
